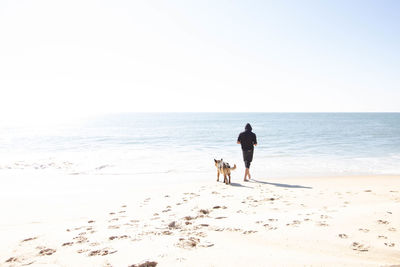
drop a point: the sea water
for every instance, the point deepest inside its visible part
(134, 144)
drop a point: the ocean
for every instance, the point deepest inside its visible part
(135, 144)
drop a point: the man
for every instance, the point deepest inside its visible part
(248, 140)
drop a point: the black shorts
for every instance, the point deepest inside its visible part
(248, 157)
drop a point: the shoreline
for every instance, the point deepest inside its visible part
(351, 221)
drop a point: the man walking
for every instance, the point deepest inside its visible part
(248, 140)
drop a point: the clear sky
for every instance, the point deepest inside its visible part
(78, 57)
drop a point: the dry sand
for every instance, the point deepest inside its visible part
(110, 221)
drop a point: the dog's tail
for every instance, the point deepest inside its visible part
(234, 167)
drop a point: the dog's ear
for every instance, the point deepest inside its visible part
(215, 160)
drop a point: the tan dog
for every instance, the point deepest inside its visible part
(225, 169)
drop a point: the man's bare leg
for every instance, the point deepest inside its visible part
(246, 173)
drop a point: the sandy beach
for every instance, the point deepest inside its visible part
(111, 221)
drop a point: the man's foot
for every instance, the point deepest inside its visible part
(246, 180)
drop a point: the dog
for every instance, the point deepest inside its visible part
(225, 169)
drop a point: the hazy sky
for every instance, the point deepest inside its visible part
(65, 58)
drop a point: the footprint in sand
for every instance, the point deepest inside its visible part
(390, 244)
(200, 234)
(29, 239)
(363, 230)
(204, 211)
(344, 236)
(382, 222)
(173, 225)
(118, 237)
(249, 232)
(270, 227)
(81, 239)
(392, 229)
(205, 244)
(382, 237)
(233, 229)
(67, 244)
(189, 218)
(323, 223)
(82, 251)
(145, 264)
(75, 229)
(359, 247)
(294, 223)
(101, 252)
(166, 232)
(188, 243)
(12, 259)
(47, 252)
(113, 227)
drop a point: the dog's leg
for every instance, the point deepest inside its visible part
(229, 178)
(225, 179)
(218, 176)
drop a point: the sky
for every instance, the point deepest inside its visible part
(64, 59)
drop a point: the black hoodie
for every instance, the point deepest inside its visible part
(247, 138)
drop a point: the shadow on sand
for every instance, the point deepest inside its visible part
(240, 185)
(281, 185)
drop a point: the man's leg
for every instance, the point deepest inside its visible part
(245, 171)
(248, 169)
